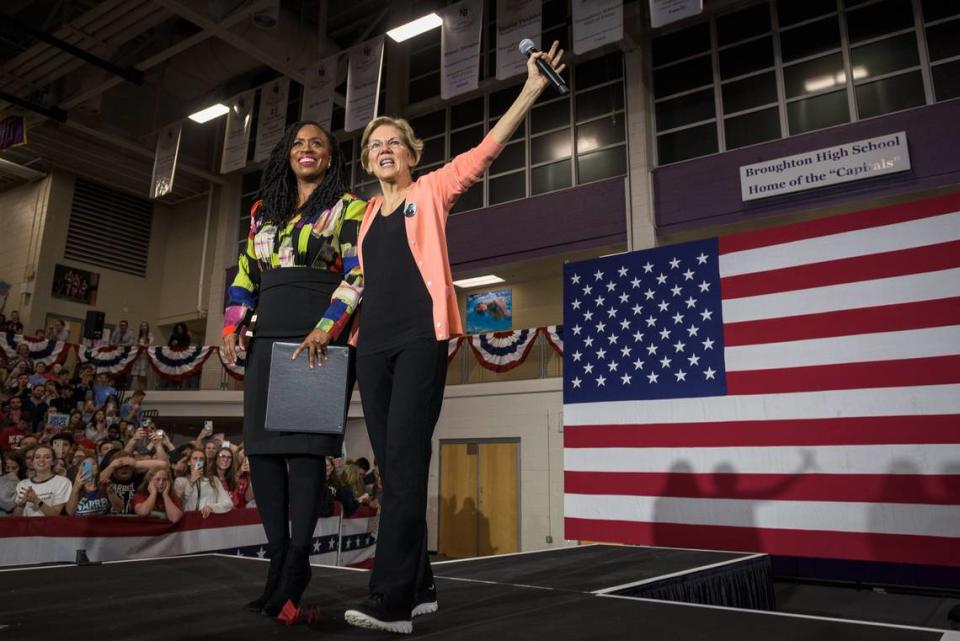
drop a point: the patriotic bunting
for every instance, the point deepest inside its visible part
(554, 336)
(503, 351)
(497, 351)
(109, 359)
(235, 370)
(453, 346)
(41, 350)
(178, 364)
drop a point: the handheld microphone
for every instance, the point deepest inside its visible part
(527, 48)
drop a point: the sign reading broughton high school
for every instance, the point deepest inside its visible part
(822, 167)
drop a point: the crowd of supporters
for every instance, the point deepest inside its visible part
(71, 444)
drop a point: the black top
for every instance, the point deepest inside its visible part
(397, 308)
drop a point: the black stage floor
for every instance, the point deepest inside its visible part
(198, 598)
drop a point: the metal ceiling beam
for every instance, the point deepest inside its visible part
(22, 171)
(130, 75)
(54, 113)
(223, 33)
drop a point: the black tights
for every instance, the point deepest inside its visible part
(295, 482)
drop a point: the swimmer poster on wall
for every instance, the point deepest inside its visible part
(490, 311)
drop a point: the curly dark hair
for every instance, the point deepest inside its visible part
(278, 186)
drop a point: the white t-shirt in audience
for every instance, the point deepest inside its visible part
(54, 491)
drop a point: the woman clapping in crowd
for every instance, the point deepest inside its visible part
(46, 493)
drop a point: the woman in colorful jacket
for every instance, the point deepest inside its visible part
(402, 348)
(298, 280)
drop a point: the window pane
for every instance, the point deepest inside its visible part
(946, 80)
(810, 39)
(425, 60)
(752, 128)
(599, 101)
(877, 19)
(818, 112)
(501, 100)
(470, 199)
(466, 113)
(551, 116)
(750, 92)
(550, 147)
(423, 88)
(687, 143)
(680, 77)
(553, 12)
(681, 44)
(465, 139)
(814, 75)
(513, 156)
(743, 24)
(250, 182)
(600, 133)
(550, 177)
(561, 34)
(791, 12)
(346, 150)
(936, 9)
(890, 94)
(518, 134)
(943, 40)
(509, 187)
(433, 151)
(750, 56)
(600, 70)
(602, 164)
(685, 110)
(428, 125)
(885, 56)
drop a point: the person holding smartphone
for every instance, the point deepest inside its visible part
(201, 490)
(90, 496)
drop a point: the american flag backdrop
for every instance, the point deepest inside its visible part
(793, 390)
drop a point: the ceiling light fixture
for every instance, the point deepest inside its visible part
(489, 279)
(211, 112)
(415, 27)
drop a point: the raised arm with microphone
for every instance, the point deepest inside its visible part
(527, 48)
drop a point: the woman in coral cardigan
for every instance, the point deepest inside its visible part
(409, 313)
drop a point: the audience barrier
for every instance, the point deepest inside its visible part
(337, 540)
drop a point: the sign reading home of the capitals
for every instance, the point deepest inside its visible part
(822, 167)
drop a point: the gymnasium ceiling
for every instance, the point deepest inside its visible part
(97, 79)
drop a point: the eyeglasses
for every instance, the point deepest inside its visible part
(224, 456)
(393, 143)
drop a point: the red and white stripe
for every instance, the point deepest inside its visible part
(840, 433)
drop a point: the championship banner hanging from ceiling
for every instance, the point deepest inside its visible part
(516, 20)
(236, 136)
(363, 83)
(318, 91)
(596, 23)
(165, 160)
(272, 118)
(460, 37)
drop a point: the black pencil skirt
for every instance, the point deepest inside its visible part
(292, 301)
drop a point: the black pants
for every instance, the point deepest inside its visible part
(402, 392)
(296, 483)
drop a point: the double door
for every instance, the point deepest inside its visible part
(479, 498)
